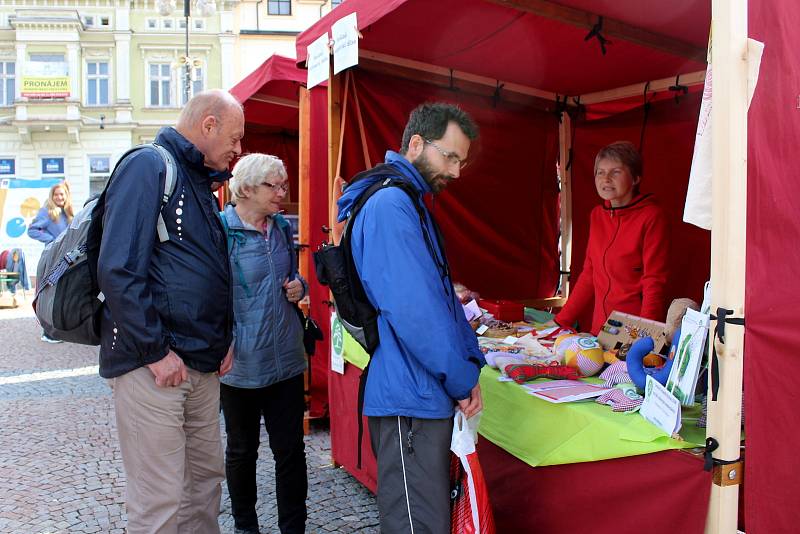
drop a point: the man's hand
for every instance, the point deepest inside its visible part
(294, 290)
(169, 371)
(472, 404)
(227, 362)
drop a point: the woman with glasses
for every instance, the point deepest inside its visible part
(625, 268)
(266, 380)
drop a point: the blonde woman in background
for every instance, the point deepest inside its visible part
(54, 217)
(51, 221)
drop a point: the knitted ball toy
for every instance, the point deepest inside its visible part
(580, 351)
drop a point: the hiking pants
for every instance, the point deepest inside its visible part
(413, 473)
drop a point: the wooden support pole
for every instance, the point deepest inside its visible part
(334, 134)
(637, 89)
(565, 179)
(729, 206)
(441, 75)
(304, 180)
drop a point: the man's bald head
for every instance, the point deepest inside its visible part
(214, 102)
(213, 121)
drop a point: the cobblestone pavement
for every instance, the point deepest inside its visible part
(60, 466)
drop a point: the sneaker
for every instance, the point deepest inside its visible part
(50, 340)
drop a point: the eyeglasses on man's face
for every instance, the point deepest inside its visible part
(277, 187)
(451, 158)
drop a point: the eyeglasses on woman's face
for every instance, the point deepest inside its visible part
(451, 157)
(277, 187)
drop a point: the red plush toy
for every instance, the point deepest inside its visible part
(522, 372)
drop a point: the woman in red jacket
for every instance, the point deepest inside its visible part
(626, 258)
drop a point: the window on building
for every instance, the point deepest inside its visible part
(88, 21)
(160, 79)
(52, 167)
(152, 24)
(279, 7)
(105, 21)
(97, 79)
(7, 81)
(181, 24)
(197, 83)
(199, 24)
(7, 167)
(167, 24)
(99, 172)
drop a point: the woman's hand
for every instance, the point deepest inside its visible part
(294, 290)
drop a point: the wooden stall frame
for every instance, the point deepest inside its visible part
(565, 178)
(729, 28)
(728, 241)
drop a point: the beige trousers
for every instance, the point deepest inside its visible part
(172, 452)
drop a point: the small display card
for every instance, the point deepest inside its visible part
(660, 407)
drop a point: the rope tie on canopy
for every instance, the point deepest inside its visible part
(719, 333)
(596, 32)
(678, 89)
(646, 115)
(561, 106)
(496, 95)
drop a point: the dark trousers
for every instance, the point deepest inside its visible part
(282, 406)
(413, 473)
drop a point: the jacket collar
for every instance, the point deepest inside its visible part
(409, 171)
(235, 223)
(190, 156)
(637, 202)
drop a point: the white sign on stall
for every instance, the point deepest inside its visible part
(337, 345)
(345, 43)
(660, 407)
(319, 61)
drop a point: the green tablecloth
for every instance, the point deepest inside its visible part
(542, 433)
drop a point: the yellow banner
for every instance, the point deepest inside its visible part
(45, 87)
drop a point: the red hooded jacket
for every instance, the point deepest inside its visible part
(626, 264)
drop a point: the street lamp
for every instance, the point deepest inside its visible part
(206, 8)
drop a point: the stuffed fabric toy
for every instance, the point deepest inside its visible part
(636, 369)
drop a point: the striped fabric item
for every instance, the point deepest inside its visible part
(616, 373)
(61, 267)
(621, 401)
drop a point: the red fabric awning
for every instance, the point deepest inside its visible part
(269, 94)
(487, 39)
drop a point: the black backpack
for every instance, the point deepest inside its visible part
(337, 270)
(68, 301)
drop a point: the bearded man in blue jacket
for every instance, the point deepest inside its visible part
(428, 360)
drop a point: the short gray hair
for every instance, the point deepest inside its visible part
(251, 170)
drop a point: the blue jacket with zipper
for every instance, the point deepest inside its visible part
(428, 355)
(171, 295)
(268, 337)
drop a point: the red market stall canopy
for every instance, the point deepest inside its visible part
(273, 96)
(533, 73)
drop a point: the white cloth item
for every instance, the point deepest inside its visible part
(697, 210)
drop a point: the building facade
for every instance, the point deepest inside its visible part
(84, 80)
(267, 27)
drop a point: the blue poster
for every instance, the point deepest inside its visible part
(52, 165)
(7, 166)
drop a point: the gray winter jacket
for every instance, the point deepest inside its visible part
(268, 337)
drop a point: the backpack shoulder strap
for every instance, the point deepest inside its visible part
(169, 186)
